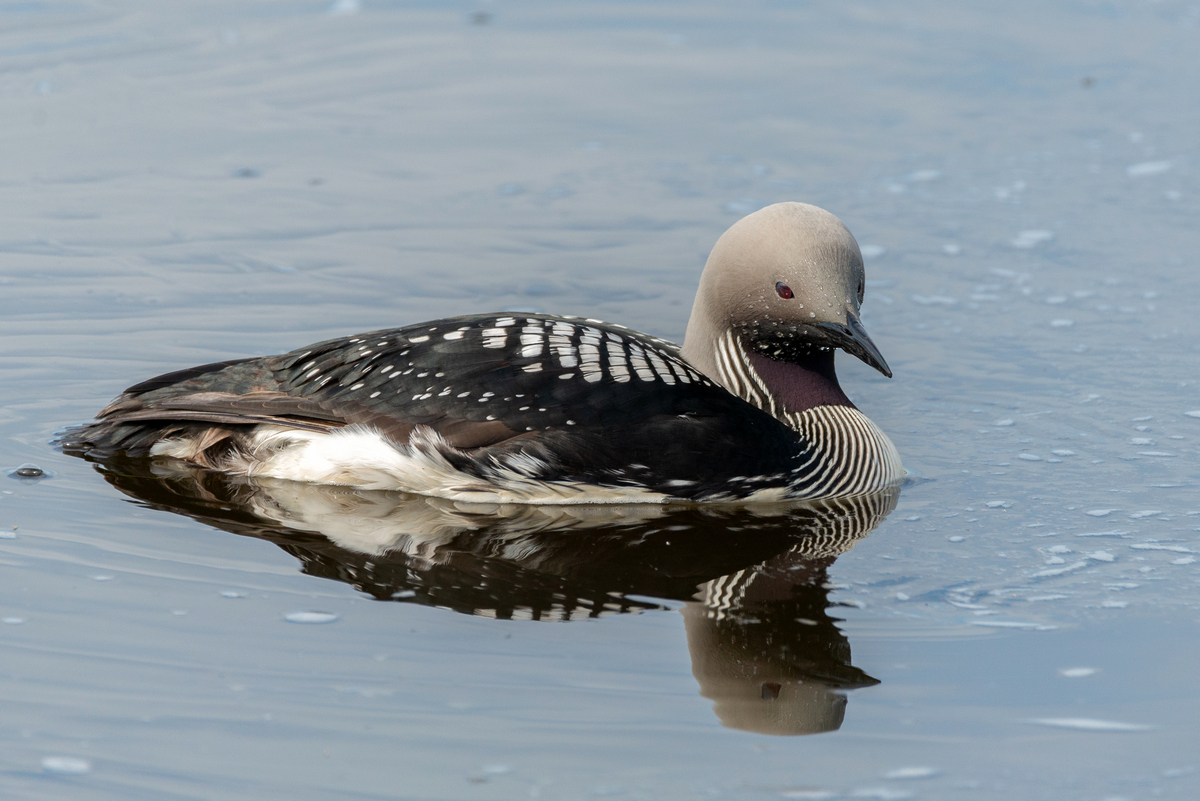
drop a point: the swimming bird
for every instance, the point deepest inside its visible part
(516, 407)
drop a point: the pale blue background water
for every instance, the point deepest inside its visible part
(191, 181)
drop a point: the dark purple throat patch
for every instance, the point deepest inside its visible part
(802, 386)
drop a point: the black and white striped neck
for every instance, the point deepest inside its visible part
(850, 453)
(782, 389)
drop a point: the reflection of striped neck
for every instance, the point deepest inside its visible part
(826, 529)
(849, 454)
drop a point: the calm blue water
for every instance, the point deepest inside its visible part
(193, 181)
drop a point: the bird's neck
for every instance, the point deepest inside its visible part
(797, 387)
(782, 389)
(805, 396)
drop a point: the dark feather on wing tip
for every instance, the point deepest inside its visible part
(180, 376)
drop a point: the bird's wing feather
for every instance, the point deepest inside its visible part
(480, 382)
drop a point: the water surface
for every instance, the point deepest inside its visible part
(189, 182)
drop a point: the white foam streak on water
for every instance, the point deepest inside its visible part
(1032, 238)
(71, 766)
(496, 770)
(1058, 571)
(1090, 724)
(913, 772)
(310, 617)
(1077, 672)
(1147, 168)
(882, 793)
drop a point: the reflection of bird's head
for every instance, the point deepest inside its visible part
(754, 690)
(763, 647)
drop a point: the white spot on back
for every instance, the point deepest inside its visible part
(616, 361)
(533, 340)
(494, 337)
(565, 350)
(590, 367)
(637, 358)
(660, 367)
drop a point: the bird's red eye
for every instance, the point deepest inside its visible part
(784, 291)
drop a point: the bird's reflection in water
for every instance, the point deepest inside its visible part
(753, 581)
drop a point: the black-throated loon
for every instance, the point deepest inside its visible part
(535, 408)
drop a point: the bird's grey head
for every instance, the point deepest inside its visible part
(788, 280)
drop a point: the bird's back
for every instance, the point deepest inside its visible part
(537, 398)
